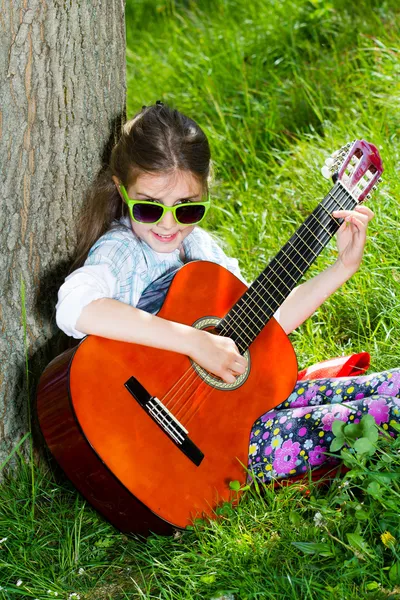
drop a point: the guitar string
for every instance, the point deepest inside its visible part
(192, 374)
(186, 417)
(325, 242)
(331, 197)
(169, 404)
(202, 391)
(329, 236)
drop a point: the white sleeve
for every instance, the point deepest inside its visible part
(79, 289)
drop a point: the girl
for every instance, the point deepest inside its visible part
(141, 225)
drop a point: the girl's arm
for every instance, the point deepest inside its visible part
(116, 320)
(304, 300)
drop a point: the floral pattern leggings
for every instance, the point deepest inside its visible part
(293, 437)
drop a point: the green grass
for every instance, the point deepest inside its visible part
(277, 86)
(299, 541)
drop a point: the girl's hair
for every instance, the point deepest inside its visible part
(157, 140)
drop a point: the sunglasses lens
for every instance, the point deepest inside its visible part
(190, 214)
(147, 213)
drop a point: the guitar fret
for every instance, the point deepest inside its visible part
(250, 299)
(296, 267)
(315, 236)
(265, 276)
(269, 296)
(238, 314)
(298, 254)
(329, 223)
(310, 249)
(280, 264)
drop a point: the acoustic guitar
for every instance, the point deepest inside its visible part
(149, 437)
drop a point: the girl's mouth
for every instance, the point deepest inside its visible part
(165, 238)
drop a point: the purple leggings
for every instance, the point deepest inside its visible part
(293, 437)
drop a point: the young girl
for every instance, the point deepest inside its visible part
(142, 224)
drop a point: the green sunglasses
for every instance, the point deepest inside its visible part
(187, 213)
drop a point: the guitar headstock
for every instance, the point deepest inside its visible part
(357, 166)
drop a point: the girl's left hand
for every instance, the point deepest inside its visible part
(352, 234)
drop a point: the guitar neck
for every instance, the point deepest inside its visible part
(267, 293)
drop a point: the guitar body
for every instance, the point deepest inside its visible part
(119, 457)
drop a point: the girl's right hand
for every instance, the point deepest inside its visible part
(218, 355)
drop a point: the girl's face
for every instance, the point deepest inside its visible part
(169, 189)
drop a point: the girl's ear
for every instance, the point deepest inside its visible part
(117, 185)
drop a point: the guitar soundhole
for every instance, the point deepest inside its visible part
(210, 324)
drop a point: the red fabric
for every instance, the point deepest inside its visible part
(343, 366)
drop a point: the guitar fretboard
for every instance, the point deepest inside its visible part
(258, 304)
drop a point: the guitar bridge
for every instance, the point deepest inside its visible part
(165, 420)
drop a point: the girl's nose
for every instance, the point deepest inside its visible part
(168, 221)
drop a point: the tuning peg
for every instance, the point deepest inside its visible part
(334, 162)
(326, 172)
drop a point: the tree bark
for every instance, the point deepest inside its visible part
(62, 100)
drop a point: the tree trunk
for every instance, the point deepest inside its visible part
(62, 100)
